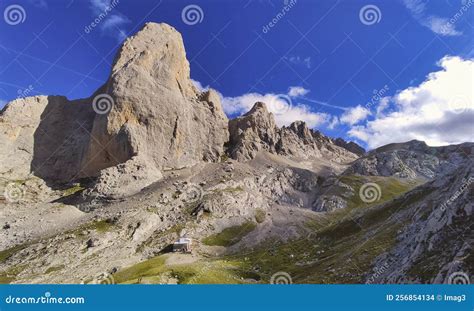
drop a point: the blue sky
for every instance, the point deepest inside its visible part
(351, 75)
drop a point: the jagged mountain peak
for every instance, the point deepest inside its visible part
(157, 53)
(258, 107)
(350, 145)
(257, 131)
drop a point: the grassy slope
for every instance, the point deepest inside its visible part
(230, 236)
(156, 271)
(342, 247)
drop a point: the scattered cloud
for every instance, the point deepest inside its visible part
(300, 61)
(382, 106)
(355, 115)
(333, 123)
(199, 86)
(296, 91)
(439, 25)
(438, 111)
(283, 108)
(113, 21)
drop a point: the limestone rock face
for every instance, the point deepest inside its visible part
(256, 130)
(157, 113)
(413, 159)
(148, 109)
(44, 135)
(124, 179)
(441, 224)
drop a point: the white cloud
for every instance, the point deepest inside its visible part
(333, 123)
(439, 25)
(295, 91)
(382, 106)
(282, 107)
(439, 111)
(199, 85)
(355, 115)
(113, 21)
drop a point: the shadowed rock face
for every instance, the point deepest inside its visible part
(351, 146)
(44, 135)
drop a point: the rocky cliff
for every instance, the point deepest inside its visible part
(413, 159)
(156, 112)
(148, 110)
(257, 131)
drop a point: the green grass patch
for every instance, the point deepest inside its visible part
(390, 187)
(224, 157)
(155, 271)
(72, 190)
(260, 215)
(11, 274)
(101, 226)
(54, 269)
(150, 267)
(230, 236)
(5, 254)
(232, 189)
